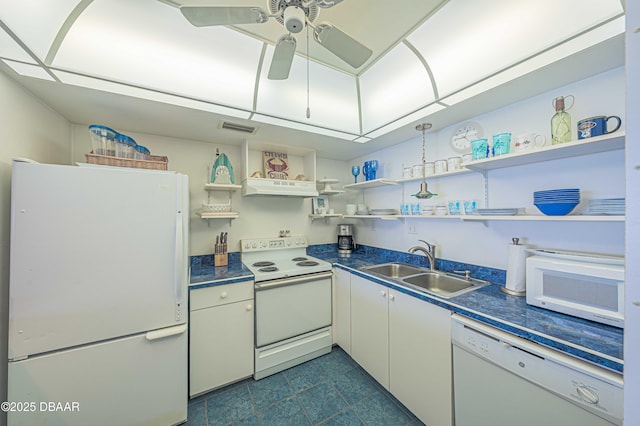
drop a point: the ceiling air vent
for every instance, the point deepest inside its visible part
(237, 127)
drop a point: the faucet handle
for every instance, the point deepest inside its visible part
(466, 272)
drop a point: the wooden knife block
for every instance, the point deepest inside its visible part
(221, 259)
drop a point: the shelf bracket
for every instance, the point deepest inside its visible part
(485, 176)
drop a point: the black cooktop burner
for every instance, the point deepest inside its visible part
(299, 259)
(264, 263)
(267, 268)
(307, 263)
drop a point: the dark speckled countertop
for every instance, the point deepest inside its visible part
(593, 342)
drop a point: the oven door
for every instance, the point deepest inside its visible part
(293, 306)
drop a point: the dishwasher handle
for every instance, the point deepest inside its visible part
(292, 281)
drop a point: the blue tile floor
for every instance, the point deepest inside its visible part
(329, 390)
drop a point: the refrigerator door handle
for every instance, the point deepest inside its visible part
(166, 332)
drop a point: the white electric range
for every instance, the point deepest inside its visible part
(292, 302)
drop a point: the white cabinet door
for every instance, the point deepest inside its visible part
(342, 309)
(370, 328)
(220, 343)
(420, 357)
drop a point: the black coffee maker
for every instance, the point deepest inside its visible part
(346, 241)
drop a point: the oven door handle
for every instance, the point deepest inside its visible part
(292, 281)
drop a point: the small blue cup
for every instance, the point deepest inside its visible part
(479, 149)
(501, 143)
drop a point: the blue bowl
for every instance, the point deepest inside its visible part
(556, 209)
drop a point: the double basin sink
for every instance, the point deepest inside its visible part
(438, 283)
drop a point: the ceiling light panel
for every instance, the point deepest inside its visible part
(574, 46)
(150, 44)
(36, 22)
(485, 37)
(397, 83)
(333, 95)
(302, 126)
(12, 50)
(122, 89)
(28, 70)
(422, 113)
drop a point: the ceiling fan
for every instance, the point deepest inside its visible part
(294, 15)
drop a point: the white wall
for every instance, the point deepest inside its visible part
(30, 129)
(597, 175)
(260, 216)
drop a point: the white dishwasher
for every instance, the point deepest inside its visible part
(503, 380)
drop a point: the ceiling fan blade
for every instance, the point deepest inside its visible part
(325, 4)
(342, 45)
(282, 58)
(203, 16)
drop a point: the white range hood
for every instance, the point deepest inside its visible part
(289, 188)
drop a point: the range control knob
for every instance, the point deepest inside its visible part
(254, 245)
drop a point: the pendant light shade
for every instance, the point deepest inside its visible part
(424, 193)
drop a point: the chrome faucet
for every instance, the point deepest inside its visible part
(429, 251)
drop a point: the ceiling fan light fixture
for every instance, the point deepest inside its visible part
(294, 18)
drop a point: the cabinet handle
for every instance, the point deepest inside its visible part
(223, 295)
(249, 307)
(636, 302)
(383, 293)
(392, 296)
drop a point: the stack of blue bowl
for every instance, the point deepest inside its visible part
(556, 202)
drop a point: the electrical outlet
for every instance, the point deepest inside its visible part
(411, 228)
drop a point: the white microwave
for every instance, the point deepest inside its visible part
(584, 285)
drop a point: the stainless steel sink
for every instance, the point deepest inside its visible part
(438, 283)
(442, 284)
(393, 270)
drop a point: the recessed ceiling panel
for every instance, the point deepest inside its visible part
(418, 115)
(395, 85)
(122, 89)
(36, 22)
(333, 97)
(28, 70)
(468, 40)
(11, 50)
(150, 44)
(301, 126)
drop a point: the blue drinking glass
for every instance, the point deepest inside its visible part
(366, 170)
(355, 171)
(373, 166)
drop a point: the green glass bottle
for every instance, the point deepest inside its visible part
(560, 123)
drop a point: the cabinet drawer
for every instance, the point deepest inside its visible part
(220, 295)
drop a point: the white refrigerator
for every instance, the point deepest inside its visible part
(98, 296)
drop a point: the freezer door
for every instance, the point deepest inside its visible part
(130, 381)
(96, 253)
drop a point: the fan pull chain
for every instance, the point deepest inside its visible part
(308, 109)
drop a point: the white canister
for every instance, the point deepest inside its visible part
(467, 157)
(417, 171)
(351, 209)
(454, 163)
(407, 173)
(429, 168)
(441, 166)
